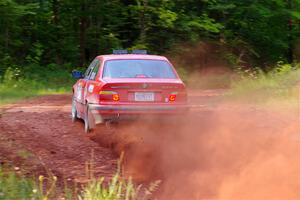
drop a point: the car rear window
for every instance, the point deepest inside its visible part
(138, 69)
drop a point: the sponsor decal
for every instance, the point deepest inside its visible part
(79, 92)
(91, 88)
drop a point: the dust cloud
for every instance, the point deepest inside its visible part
(220, 150)
(220, 154)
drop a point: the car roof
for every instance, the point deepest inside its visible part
(131, 56)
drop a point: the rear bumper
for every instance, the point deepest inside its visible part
(138, 109)
(103, 113)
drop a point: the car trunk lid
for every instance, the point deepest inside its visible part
(145, 90)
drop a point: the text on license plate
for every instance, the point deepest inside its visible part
(144, 96)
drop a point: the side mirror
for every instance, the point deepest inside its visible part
(77, 74)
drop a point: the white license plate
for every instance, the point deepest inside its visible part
(144, 96)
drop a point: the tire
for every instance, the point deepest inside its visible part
(89, 122)
(74, 111)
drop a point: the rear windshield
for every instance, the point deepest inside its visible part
(138, 69)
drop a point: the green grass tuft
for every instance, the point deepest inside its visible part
(13, 185)
(280, 87)
(15, 85)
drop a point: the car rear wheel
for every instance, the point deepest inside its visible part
(88, 120)
(74, 111)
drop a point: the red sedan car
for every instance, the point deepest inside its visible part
(122, 86)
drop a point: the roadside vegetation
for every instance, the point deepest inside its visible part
(71, 33)
(14, 185)
(279, 87)
(19, 84)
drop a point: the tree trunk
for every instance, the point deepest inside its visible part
(55, 7)
(290, 51)
(55, 10)
(6, 39)
(142, 20)
(82, 33)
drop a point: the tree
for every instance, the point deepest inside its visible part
(72, 32)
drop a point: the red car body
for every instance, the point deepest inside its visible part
(97, 98)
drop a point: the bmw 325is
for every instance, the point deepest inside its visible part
(122, 85)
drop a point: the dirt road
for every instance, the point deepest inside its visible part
(219, 151)
(41, 130)
(37, 134)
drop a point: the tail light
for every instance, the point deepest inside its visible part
(172, 96)
(115, 97)
(109, 95)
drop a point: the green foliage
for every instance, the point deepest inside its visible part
(266, 30)
(281, 85)
(118, 189)
(33, 81)
(41, 32)
(13, 185)
(35, 54)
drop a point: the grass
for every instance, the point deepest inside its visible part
(13, 94)
(46, 81)
(280, 88)
(14, 185)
